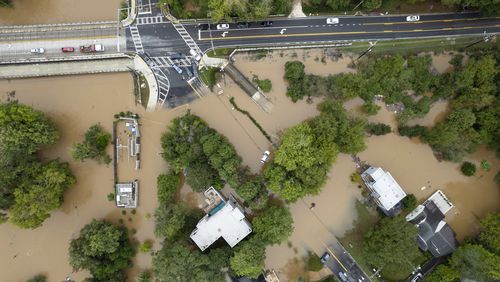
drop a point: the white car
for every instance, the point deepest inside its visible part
(37, 51)
(223, 26)
(195, 55)
(265, 156)
(332, 20)
(412, 18)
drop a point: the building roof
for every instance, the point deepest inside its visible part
(126, 194)
(434, 234)
(228, 222)
(383, 186)
(440, 200)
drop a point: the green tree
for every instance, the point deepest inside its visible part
(378, 128)
(103, 249)
(177, 262)
(294, 73)
(475, 262)
(169, 221)
(412, 131)
(410, 202)
(251, 188)
(274, 224)
(38, 278)
(485, 165)
(296, 149)
(442, 273)
(94, 146)
(248, 259)
(391, 242)
(201, 176)
(372, 4)
(35, 199)
(370, 108)
(468, 168)
(23, 130)
(490, 232)
(145, 247)
(167, 186)
(145, 276)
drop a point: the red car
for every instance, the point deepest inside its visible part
(68, 49)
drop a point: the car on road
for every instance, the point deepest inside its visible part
(325, 257)
(332, 20)
(343, 276)
(242, 25)
(265, 156)
(177, 69)
(412, 18)
(223, 26)
(266, 23)
(203, 26)
(37, 50)
(195, 55)
(416, 277)
(68, 49)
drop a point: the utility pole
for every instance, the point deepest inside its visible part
(486, 38)
(210, 30)
(372, 44)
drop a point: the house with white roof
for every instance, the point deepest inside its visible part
(224, 218)
(384, 190)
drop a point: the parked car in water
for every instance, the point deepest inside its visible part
(265, 156)
(412, 18)
(332, 20)
(68, 49)
(223, 26)
(37, 51)
(266, 23)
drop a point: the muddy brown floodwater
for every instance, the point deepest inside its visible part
(76, 102)
(59, 11)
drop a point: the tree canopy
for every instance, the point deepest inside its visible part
(167, 186)
(169, 220)
(29, 188)
(475, 262)
(274, 224)
(36, 198)
(248, 259)
(442, 273)
(103, 249)
(391, 242)
(490, 232)
(94, 145)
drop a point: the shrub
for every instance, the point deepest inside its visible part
(409, 202)
(377, 128)
(111, 197)
(370, 108)
(264, 84)
(145, 247)
(314, 262)
(468, 168)
(94, 146)
(356, 177)
(412, 131)
(485, 165)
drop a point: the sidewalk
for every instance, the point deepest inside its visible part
(141, 66)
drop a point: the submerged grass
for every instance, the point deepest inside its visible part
(231, 100)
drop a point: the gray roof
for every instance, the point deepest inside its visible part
(434, 234)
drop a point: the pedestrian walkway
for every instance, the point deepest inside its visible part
(184, 34)
(161, 79)
(136, 38)
(169, 62)
(143, 67)
(144, 7)
(151, 20)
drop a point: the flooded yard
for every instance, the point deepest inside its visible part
(58, 11)
(77, 102)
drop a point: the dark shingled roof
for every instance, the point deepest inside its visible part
(439, 242)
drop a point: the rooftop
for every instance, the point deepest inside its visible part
(126, 194)
(225, 220)
(383, 186)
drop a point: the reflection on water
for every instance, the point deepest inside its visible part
(59, 11)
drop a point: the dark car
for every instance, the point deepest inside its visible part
(325, 257)
(266, 23)
(203, 26)
(68, 49)
(242, 25)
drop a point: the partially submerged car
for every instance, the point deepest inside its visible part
(265, 156)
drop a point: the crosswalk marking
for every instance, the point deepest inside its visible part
(168, 62)
(184, 34)
(151, 20)
(144, 7)
(136, 38)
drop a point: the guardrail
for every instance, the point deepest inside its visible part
(18, 61)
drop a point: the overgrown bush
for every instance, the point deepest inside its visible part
(370, 108)
(412, 131)
(409, 202)
(377, 129)
(264, 84)
(468, 168)
(94, 146)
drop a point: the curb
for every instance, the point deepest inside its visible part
(132, 14)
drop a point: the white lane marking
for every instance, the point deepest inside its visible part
(251, 28)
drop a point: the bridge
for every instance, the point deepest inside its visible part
(164, 43)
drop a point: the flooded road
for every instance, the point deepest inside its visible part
(76, 102)
(58, 11)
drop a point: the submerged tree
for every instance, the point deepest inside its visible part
(103, 249)
(94, 146)
(274, 224)
(248, 259)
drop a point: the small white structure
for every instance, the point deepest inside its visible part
(126, 194)
(226, 220)
(384, 189)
